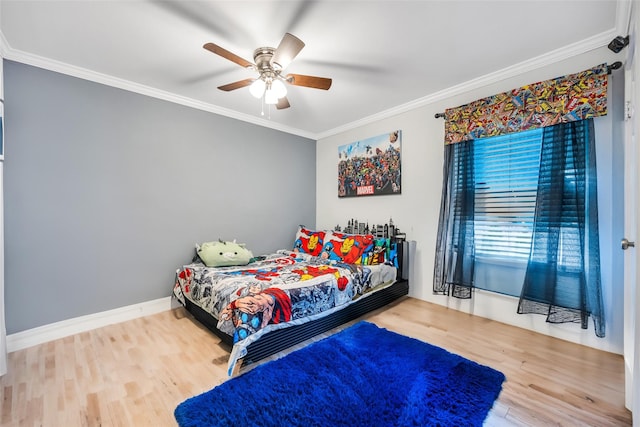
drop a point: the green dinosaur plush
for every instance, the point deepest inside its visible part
(221, 254)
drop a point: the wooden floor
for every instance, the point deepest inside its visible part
(135, 373)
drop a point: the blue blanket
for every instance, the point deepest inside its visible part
(361, 376)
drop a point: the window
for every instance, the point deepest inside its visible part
(506, 179)
(518, 216)
(524, 203)
(506, 170)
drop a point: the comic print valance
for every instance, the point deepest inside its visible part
(563, 99)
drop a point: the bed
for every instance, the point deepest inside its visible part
(280, 299)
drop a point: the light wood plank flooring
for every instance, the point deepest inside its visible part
(135, 373)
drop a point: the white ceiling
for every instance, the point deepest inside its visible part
(381, 55)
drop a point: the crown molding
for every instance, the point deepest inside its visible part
(532, 64)
(94, 76)
(566, 52)
(3, 45)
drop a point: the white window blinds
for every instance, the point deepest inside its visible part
(506, 179)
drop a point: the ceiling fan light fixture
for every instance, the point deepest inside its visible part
(257, 88)
(270, 97)
(279, 88)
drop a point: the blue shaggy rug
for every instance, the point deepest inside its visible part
(361, 376)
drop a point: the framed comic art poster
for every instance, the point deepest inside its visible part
(370, 167)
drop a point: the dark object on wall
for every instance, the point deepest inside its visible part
(388, 230)
(618, 43)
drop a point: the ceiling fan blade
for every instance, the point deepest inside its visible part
(283, 103)
(236, 85)
(309, 81)
(228, 55)
(289, 47)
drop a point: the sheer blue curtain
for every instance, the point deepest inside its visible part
(562, 280)
(455, 248)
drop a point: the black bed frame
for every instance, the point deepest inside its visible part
(275, 341)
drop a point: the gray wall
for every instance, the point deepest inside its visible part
(107, 191)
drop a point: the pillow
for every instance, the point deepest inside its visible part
(385, 251)
(309, 241)
(392, 254)
(223, 254)
(379, 253)
(347, 248)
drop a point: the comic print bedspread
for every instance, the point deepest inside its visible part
(278, 288)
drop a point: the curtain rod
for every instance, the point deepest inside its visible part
(611, 67)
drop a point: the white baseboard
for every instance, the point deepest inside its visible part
(62, 329)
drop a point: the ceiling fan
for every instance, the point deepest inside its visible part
(269, 63)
